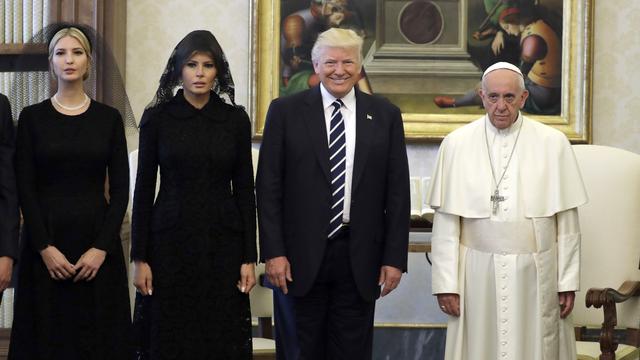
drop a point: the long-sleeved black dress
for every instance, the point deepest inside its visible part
(8, 195)
(61, 165)
(197, 234)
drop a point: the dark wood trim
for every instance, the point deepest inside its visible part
(21, 62)
(420, 247)
(419, 223)
(20, 49)
(113, 26)
(258, 357)
(607, 299)
(265, 327)
(23, 57)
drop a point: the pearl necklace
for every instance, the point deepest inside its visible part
(71, 108)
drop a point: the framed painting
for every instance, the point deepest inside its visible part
(427, 56)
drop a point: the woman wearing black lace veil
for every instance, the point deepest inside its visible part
(194, 248)
(72, 297)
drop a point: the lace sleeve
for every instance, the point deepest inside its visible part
(243, 186)
(8, 195)
(144, 192)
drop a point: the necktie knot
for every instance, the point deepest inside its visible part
(337, 105)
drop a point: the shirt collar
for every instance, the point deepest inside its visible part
(505, 132)
(348, 100)
(179, 107)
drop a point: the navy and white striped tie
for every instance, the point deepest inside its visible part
(338, 167)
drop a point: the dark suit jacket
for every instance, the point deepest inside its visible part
(9, 217)
(294, 193)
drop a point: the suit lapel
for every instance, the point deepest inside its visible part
(317, 129)
(364, 127)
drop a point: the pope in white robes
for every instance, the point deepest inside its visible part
(506, 237)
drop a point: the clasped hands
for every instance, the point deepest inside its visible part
(278, 272)
(450, 303)
(86, 268)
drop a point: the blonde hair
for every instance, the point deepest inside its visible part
(77, 34)
(337, 38)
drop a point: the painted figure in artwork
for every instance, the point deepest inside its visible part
(540, 61)
(299, 32)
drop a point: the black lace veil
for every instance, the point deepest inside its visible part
(195, 41)
(105, 82)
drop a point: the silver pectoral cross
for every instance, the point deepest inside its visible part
(496, 198)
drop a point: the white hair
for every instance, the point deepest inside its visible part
(337, 38)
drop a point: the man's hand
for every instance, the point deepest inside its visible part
(279, 272)
(89, 264)
(567, 299)
(449, 303)
(6, 269)
(247, 277)
(390, 278)
(142, 277)
(59, 267)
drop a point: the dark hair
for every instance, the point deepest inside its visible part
(198, 41)
(54, 29)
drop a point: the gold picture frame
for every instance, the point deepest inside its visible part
(574, 119)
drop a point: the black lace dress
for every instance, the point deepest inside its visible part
(198, 232)
(61, 165)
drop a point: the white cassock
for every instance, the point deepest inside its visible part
(507, 267)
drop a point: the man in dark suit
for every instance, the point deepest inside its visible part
(333, 202)
(8, 196)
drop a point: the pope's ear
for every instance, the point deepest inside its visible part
(525, 95)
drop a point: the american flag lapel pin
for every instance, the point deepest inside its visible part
(369, 117)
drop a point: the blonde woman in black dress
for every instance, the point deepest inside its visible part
(72, 298)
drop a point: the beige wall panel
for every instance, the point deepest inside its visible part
(616, 77)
